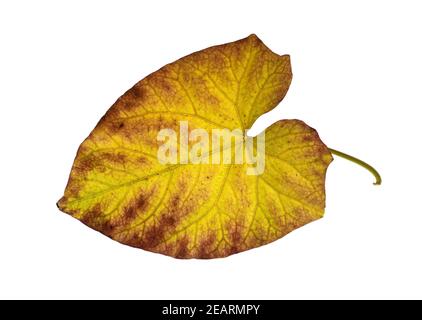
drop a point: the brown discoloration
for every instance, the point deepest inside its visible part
(167, 222)
(206, 244)
(142, 161)
(86, 163)
(170, 220)
(202, 93)
(132, 99)
(129, 213)
(146, 241)
(216, 61)
(169, 248)
(110, 115)
(308, 138)
(92, 214)
(162, 85)
(235, 229)
(138, 92)
(138, 206)
(115, 127)
(114, 158)
(143, 201)
(156, 233)
(298, 218)
(107, 227)
(139, 130)
(94, 219)
(182, 250)
(275, 213)
(133, 240)
(259, 235)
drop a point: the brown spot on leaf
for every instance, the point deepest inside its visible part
(154, 235)
(206, 245)
(115, 158)
(298, 217)
(167, 222)
(235, 229)
(142, 160)
(114, 127)
(129, 213)
(182, 250)
(86, 163)
(308, 138)
(138, 206)
(133, 98)
(93, 218)
(275, 213)
(138, 92)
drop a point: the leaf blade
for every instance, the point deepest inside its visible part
(117, 187)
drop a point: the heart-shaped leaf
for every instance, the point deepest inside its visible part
(119, 186)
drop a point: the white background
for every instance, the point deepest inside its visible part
(357, 79)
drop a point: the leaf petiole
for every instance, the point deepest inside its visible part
(359, 162)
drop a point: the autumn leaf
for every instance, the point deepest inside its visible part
(118, 186)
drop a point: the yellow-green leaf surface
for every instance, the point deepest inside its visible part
(118, 187)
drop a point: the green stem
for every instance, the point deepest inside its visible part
(359, 162)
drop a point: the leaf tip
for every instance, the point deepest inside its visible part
(253, 36)
(59, 203)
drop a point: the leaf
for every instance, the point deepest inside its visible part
(118, 187)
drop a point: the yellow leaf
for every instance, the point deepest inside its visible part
(188, 210)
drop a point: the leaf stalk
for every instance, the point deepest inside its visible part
(359, 162)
